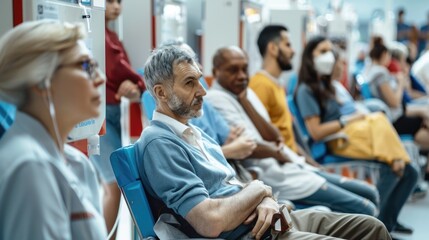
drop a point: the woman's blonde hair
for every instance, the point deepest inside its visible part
(30, 53)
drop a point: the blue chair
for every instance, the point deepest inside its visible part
(149, 104)
(291, 85)
(318, 149)
(7, 116)
(124, 164)
(365, 89)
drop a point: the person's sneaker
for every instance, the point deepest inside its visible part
(403, 229)
(420, 191)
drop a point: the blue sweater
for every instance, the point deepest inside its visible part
(177, 172)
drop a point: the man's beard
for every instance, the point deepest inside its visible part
(283, 63)
(180, 108)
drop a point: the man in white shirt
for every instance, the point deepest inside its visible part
(286, 172)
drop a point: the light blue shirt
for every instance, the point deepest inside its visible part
(212, 123)
(42, 196)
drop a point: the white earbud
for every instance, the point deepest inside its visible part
(45, 84)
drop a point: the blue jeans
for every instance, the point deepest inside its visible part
(109, 143)
(343, 194)
(394, 192)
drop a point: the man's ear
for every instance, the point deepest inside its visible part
(160, 92)
(272, 48)
(214, 72)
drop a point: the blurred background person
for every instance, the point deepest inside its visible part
(424, 36)
(402, 29)
(122, 81)
(370, 137)
(407, 119)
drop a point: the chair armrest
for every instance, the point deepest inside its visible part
(335, 136)
(342, 137)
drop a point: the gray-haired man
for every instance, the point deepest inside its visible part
(184, 169)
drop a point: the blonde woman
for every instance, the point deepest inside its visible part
(48, 190)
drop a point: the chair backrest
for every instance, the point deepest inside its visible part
(291, 84)
(149, 104)
(365, 89)
(124, 165)
(7, 116)
(318, 150)
(204, 83)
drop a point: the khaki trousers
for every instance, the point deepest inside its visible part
(316, 225)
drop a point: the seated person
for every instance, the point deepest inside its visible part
(198, 183)
(277, 53)
(235, 146)
(370, 136)
(398, 65)
(345, 99)
(282, 169)
(407, 119)
(48, 190)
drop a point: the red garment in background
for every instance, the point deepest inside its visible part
(345, 76)
(118, 67)
(394, 66)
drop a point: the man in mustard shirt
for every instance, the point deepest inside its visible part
(276, 51)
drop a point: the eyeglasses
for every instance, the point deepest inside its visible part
(88, 65)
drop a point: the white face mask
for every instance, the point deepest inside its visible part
(324, 63)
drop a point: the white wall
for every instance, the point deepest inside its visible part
(6, 18)
(137, 31)
(195, 14)
(220, 29)
(294, 21)
(415, 10)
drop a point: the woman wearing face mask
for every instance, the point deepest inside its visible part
(48, 190)
(370, 137)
